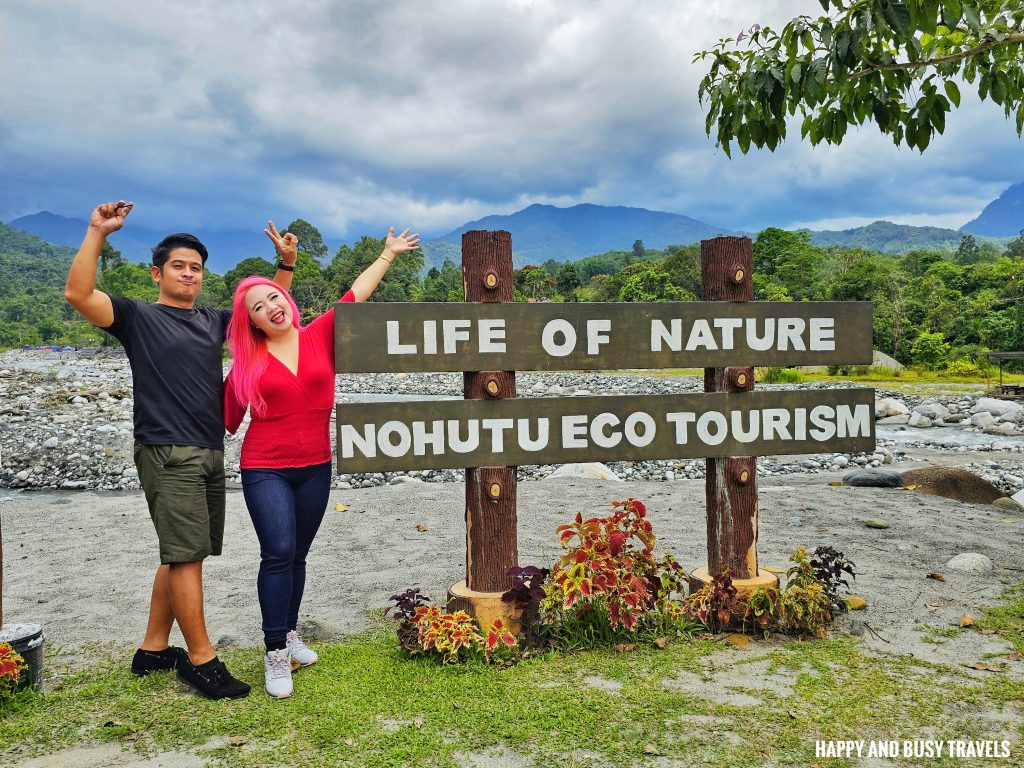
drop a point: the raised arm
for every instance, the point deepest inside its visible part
(80, 290)
(287, 247)
(370, 277)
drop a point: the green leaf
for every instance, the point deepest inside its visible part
(953, 92)
(897, 16)
(951, 13)
(1020, 118)
(973, 19)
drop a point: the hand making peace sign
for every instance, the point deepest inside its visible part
(286, 245)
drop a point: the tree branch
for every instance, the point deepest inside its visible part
(1014, 38)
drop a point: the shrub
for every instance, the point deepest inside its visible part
(829, 565)
(963, 367)
(608, 586)
(779, 375)
(714, 604)
(929, 350)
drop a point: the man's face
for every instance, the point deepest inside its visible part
(181, 277)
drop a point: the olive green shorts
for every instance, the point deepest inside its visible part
(184, 487)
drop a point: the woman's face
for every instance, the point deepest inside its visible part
(269, 310)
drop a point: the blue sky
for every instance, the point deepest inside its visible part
(356, 115)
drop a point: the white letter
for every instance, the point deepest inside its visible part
(387, 447)
(430, 337)
(728, 325)
(766, 341)
(574, 431)
(775, 420)
(822, 417)
(721, 428)
(453, 331)
(597, 434)
(497, 435)
(750, 434)
(682, 420)
(472, 441)
(823, 333)
(394, 348)
(351, 439)
(855, 423)
(659, 334)
(595, 337)
(420, 438)
(523, 433)
(790, 329)
(650, 429)
(492, 335)
(547, 339)
(701, 334)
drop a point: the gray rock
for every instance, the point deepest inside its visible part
(970, 562)
(897, 420)
(933, 411)
(889, 406)
(873, 478)
(874, 522)
(856, 627)
(591, 471)
(51, 443)
(919, 420)
(1007, 503)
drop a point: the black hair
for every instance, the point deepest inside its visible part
(178, 240)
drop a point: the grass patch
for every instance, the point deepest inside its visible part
(364, 704)
(936, 635)
(1007, 618)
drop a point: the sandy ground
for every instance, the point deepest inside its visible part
(80, 563)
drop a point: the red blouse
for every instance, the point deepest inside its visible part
(294, 430)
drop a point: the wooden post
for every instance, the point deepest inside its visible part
(726, 265)
(491, 538)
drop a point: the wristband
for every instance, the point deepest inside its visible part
(389, 261)
(285, 267)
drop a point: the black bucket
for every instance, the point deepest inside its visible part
(27, 642)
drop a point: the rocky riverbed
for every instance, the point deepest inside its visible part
(67, 423)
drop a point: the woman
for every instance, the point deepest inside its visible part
(283, 373)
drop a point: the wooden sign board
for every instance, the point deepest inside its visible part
(442, 434)
(413, 337)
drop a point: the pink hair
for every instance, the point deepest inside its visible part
(248, 345)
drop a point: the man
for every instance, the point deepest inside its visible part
(175, 351)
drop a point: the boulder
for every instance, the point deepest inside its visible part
(873, 478)
(933, 411)
(994, 406)
(952, 483)
(983, 419)
(590, 471)
(970, 562)
(890, 406)
(919, 420)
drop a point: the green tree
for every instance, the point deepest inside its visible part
(534, 282)
(892, 62)
(567, 281)
(968, 251)
(638, 250)
(443, 284)
(310, 239)
(1015, 248)
(651, 283)
(247, 268)
(399, 283)
(930, 351)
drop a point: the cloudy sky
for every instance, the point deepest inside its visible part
(355, 114)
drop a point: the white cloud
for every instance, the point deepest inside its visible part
(360, 113)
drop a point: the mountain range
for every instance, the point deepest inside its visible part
(542, 232)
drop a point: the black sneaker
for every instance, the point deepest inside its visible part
(145, 662)
(212, 679)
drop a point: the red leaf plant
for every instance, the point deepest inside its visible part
(609, 561)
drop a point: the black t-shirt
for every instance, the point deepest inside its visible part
(175, 356)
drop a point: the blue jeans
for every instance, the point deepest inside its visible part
(286, 507)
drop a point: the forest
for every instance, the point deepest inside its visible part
(932, 310)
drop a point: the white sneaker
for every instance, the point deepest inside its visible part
(300, 653)
(277, 672)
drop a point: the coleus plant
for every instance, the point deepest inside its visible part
(608, 561)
